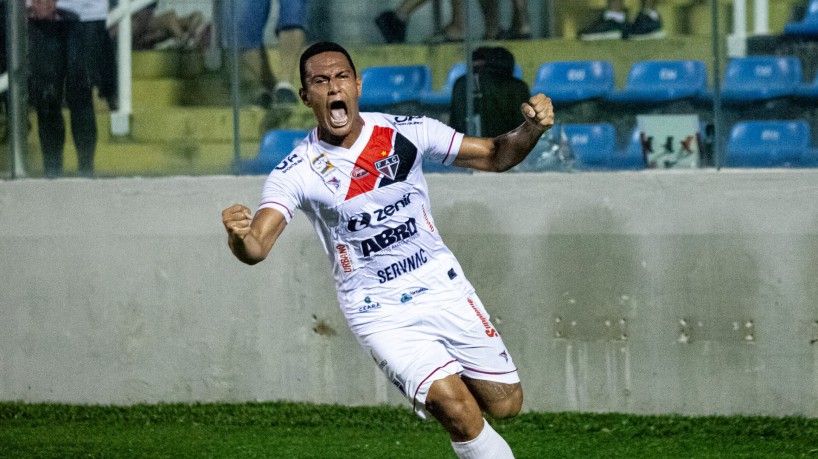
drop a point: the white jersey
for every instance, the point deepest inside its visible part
(370, 206)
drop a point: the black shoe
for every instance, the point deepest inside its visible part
(645, 28)
(391, 27)
(604, 29)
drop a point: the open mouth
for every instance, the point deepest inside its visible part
(338, 113)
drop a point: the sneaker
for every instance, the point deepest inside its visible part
(645, 27)
(391, 27)
(604, 29)
(285, 94)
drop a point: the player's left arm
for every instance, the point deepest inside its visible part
(505, 151)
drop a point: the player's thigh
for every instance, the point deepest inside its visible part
(499, 400)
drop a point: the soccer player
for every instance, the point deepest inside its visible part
(358, 178)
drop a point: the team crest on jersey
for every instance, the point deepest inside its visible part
(322, 165)
(388, 166)
(359, 172)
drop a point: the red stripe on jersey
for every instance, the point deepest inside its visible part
(378, 147)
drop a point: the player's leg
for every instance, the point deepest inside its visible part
(498, 400)
(451, 402)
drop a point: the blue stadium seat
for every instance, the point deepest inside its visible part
(760, 78)
(808, 26)
(663, 81)
(594, 148)
(275, 146)
(574, 81)
(388, 85)
(443, 97)
(768, 144)
(808, 91)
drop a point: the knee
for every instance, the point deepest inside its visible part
(507, 407)
(450, 402)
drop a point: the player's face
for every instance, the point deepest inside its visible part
(332, 91)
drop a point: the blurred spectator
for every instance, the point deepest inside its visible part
(64, 53)
(498, 95)
(251, 17)
(520, 26)
(159, 26)
(613, 23)
(392, 23)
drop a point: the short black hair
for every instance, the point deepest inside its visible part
(318, 48)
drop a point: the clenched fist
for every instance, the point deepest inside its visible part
(539, 112)
(237, 219)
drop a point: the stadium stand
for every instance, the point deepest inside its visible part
(808, 26)
(775, 143)
(574, 81)
(594, 148)
(389, 85)
(658, 82)
(443, 98)
(760, 78)
(275, 145)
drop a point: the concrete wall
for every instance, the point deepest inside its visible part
(668, 292)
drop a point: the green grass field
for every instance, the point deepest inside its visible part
(297, 430)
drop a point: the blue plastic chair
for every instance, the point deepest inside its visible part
(594, 148)
(388, 85)
(274, 147)
(575, 81)
(808, 26)
(760, 78)
(443, 97)
(768, 144)
(663, 81)
(808, 91)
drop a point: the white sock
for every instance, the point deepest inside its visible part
(618, 16)
(488, 445)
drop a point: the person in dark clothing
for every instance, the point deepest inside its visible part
(64, 50)
(497, 93)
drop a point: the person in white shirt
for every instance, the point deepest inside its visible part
(358, 177)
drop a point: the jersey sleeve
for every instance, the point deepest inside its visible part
(284, 187)
(436, 141)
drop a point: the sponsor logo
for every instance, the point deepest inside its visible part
(410, 295)
(452, 274)
(490, 331)
(359, 172)
(408, 120)
(362, 220)
(427, 219)
(405, 298)
(402, 267)
(344, 257)
(388, 166)
(334, 182)
(288, 163)
(504, 355)
(389, 237)
(321, 164)
(369, 305)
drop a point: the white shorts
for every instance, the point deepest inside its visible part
(443, 340)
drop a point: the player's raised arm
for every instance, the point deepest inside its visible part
(505, 151)
(251, 238)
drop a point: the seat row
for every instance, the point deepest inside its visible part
(773, 143)
(807, 26)
(747, 79)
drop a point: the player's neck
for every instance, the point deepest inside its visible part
(343, 141)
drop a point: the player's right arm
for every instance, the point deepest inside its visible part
(251, 238)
